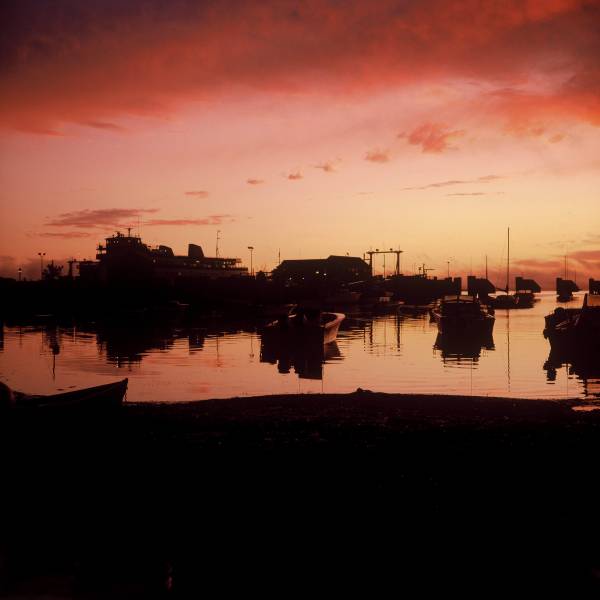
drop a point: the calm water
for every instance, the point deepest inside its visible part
(170, 361)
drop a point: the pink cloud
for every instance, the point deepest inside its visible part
(102, 61)
(378, 156)
(326, 167)
(433, 138)
(295, 176)
(197, 193)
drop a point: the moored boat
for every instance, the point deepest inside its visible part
(462, 315)
(575, 328)
(105, 396)
(305, 326)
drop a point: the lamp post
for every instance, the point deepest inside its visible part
(41, 255)
(448, 263)
(19, 271)
(251, 248)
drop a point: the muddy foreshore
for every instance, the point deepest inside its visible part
(336, 492)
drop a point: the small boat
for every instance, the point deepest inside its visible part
(105, 396)
(462, 315)
(525, 299)
(575, 328)
(525, 289)
(518, 300)
(305, 326)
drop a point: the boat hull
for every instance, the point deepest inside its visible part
(106, 396)
(290, 332)
(459, 326)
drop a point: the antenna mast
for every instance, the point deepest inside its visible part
(217, 247)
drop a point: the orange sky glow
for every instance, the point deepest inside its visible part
(307, 128)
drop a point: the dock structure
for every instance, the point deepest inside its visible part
(594, 286)
(397, 253)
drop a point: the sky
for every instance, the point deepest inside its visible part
(305, 129)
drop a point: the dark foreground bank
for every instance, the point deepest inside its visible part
(287, 495)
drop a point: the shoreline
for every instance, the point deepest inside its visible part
(354, 419)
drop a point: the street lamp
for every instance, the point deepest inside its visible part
(251, 248)
(19, 271)
(41, 255)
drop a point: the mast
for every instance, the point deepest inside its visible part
(508, 262)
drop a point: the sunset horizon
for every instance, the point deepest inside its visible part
(435, 130)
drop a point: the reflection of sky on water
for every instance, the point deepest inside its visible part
(393, 353)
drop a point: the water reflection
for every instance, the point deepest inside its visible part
(584, 366)
(454, 349)
(306, 360)
(173, 359)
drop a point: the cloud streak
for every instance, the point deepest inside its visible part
(103, 217)
(197, 193)
(65, 235)
(210, 220)
(450, 182)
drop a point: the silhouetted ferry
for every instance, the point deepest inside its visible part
(126, 257)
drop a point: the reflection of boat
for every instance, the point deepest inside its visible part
(575, 328)
(584, 365)
(462, 315)
(415, 309)
(525, 299)
(305, 326)
(455, 348)
(109, 395)
(307, 360)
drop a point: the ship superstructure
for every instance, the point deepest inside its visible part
(127, 257)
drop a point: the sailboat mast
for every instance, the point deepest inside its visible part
(508, 262)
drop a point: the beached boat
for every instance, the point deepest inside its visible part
(109, 395)
(305, 326)
(462, 315)
(575, 328)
